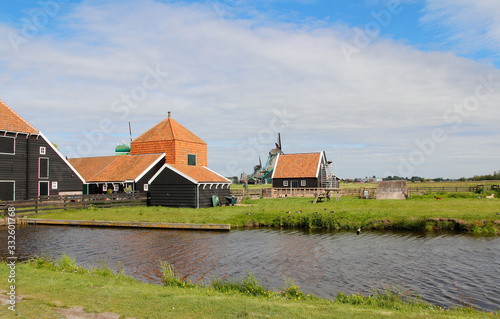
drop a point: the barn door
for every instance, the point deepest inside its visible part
(7, 190)
(295, 184)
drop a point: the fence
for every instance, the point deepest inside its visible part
(52, 203)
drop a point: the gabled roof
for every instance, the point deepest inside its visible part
(196, 174)
(115, 168)
(10, 121)
(303, 165)
(167, 130)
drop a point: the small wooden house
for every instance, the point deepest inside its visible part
(187, 186)
(303, 170)
(30, 165)
(125, 173)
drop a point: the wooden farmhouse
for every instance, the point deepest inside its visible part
(168, 162)
(303, 170)
(119, 174)
(30, 165)
(184, 180)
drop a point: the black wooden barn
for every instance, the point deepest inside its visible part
(30, 165)
(303, 170)
(187, 186)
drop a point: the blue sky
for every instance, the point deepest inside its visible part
(385, 87)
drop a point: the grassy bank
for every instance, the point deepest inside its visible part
(455, 211)
(50, 288)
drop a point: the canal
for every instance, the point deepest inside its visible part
(443, 269)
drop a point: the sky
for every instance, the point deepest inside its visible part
(384, 87)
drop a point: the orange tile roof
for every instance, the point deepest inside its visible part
(113, 168)
(297, 165)
(167, 130)
(200, 174)
(12, 122)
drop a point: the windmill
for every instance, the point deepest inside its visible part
(262, 174)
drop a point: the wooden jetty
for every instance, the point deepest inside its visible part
(92, 223)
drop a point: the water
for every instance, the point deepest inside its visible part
(440, 268)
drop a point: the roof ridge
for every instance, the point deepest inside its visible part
(20, 117)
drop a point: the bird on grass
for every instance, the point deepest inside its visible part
(249, 213)
(332, 212)
(288, 212)
(299, 211)
(358, 231)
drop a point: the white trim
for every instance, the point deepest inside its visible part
(229, 181)
(48, 168)
(275, 165)
(62, 157)
(14, 185)
(42, 150)
(175, 171)
(162, 156)
(319, 163)
(145, 187)
(48, 187)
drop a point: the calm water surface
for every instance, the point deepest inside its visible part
(438, 267)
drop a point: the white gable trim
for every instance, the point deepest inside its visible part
(275, 165)
(189, 178)
(321, 157)
(62, 157)
(161, 157)
(227, 180)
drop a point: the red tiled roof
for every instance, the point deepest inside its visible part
(200, 174)
(12, 122)
(297, 165)
(113, 168)
(167, 130)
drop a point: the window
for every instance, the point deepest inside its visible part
(54, 185)
(105, 187)
(42, 150)
(146, 187)
(7, 145)
(7, 190)
(303, 182)
(192, 159)
(43, 167)
(285, 183)
(116, 187)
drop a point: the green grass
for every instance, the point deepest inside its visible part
(456, 211)
(45, 286)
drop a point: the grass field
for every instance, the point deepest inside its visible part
(49, 289)
(456, 211)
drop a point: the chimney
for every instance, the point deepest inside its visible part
(169, 113)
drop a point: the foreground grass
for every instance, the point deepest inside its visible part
(422, 213)
(47, 286)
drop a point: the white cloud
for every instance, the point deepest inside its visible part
(470, 25)
(227, 80)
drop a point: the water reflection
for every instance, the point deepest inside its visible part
(322, 263)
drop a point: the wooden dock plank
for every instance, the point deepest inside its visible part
(93, 223)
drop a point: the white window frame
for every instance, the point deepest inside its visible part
(48, 167)
(14, 153)
(43, 150)
(48, 187)
(104, 187)
(303, 182)
(116, 187)
(54, 185)
(146, 187)
(285, 183)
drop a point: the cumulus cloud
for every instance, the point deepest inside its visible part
(237, 82)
